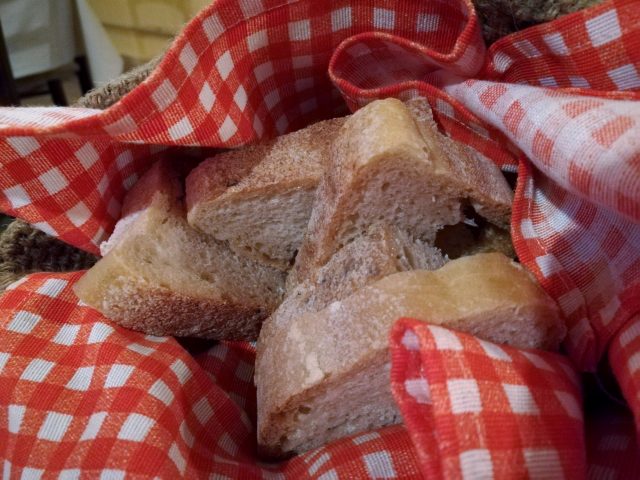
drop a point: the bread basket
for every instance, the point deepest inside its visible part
(83, 397)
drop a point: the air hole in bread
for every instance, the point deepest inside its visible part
(349, 233)
(207, 277)
(473, 235)
(256, 253)
(283, 439)
(384, 186)
(304, 409)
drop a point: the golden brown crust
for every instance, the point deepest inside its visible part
(165, 312)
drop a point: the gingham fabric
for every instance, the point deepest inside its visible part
(84, 398)
(488, 411)
(557, 103)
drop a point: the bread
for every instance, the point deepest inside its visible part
(389, 164)
(162, 277)
(259, 198)
(375, 255)
(370, 257)
(327, 374)
(476, 178)
(380, 252)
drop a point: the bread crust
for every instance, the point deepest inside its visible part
(475, 176)
(285, 162)
(161, 186)
(164, 312)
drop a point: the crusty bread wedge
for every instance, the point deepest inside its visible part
(259, 198)
(474, 176)
(327, 374)
(380, 252)
(389, 164)
(162, 277)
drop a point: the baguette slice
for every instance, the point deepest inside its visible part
(382, 252)
(259, 198)
(162, 277)
(474, 176)
(327, 374)
(389, 164)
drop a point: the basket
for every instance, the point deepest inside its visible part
(179, 414)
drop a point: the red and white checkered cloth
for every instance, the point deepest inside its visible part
(558, 103)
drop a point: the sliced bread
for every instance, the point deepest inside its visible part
(389, 164)
(477, 179)
(327, 374)
(259, 198)
(162, 277)
(381, 252)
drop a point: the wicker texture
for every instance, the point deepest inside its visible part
(23, 250)
(109, 93)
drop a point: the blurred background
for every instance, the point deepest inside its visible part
(54, 51)
(142, 29)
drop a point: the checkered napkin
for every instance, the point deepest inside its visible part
(82, 397)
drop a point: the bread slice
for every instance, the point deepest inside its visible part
(327, 374)
(259, 198)
(389, 164)
(477, 179)
(162, 277)
(381, 252)
(370, 257)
